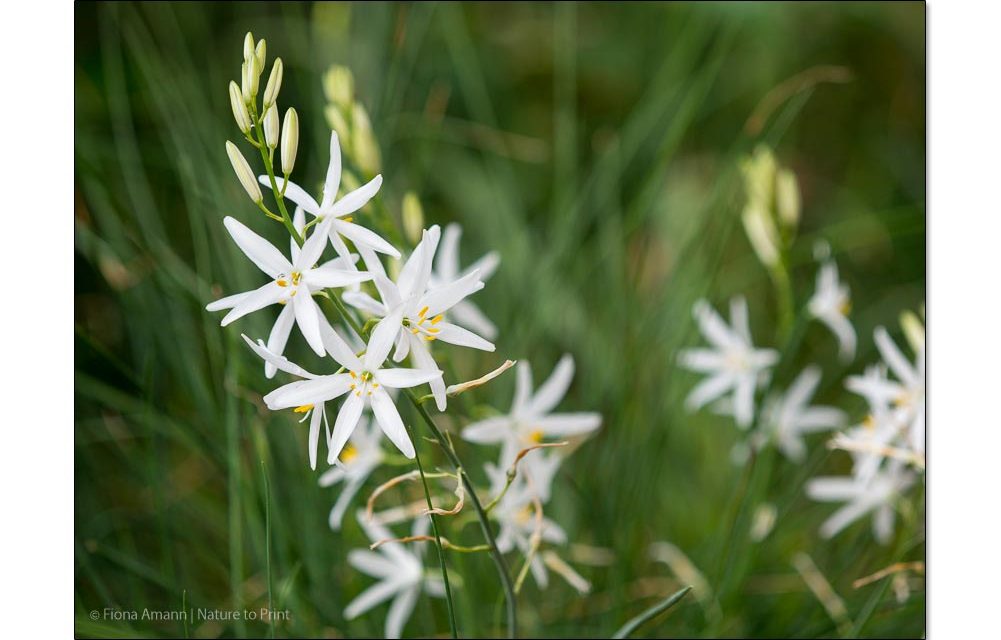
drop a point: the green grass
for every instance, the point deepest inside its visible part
(596, 147)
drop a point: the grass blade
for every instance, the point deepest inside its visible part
(633, 625)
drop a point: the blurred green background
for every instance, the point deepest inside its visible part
(595, 146)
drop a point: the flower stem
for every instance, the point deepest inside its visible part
(269, 167)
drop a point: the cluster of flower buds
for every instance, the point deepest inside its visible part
(771, 213)
(350, 120)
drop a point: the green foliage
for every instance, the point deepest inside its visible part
(597, 148)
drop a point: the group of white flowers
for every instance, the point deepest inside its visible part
(394, 317)
(886, 445)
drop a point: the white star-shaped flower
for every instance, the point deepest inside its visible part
(446, 270)
(364, 383)
(877, 495)
(400, 572)
(358, 459)
(789, 418)
(293, 284)
(530, 420)
(335, 211)
(733, 364)
(420, 310)
(830, 304)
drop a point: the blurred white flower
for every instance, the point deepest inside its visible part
(400, 574)
(293, 284)
(789, 418)
(732, 364)
(830, 304)
(876, 496)
(904, 397)
(358, 459)
(365, 384)
(335, 211)
(419, 310)
(446, 269)
(530, 420)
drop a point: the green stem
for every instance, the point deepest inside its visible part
(633, 625)
(269, 167)
(438, 547)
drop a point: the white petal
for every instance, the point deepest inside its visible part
(303, 392)
(802, 388)
(257, 299)
(833, 489)
(372, 563)
(363, 237)
(423, 359)
(552, 390)
(896, 360)
(414, 275)
(389, 420)
(743, 401)
(522, 387)
(443, 298)
(333, 181)
(399, 611)
(347, 420)
(228, 302)
(405, 378)
(568, 424)
(280, 363)
(820, 419)
(486, 265)
(332, 476)
(338, 349)
(446, 263)
(489, 430)
(279, 338)
(844, 517)
(343, 500)
(468, 315)
(293, 192)
(371, 597)
(712, 326)
(307, 317)
(357, 199)
(365, 302)
(702, 360)
(454, 334)
(312, 248)
(382, 338)
(332, 274)
(739, 318)
(708, 390)
(314, 434)
(260, 251)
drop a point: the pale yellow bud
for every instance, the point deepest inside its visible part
(290, 140)
(336, 121)
(763, 235)
(413, 217)
(339, 86)
(243, 172)
(274, 83)
(248, 46)
(239, 107)
(251, 78)
(787, 200)
(914, 330)
(261, 54)
(759, 177)
(271, 125)
(363, 144)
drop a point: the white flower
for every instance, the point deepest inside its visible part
(334, 211)
(877, 495)
(358, 459)
(293, 284)
(791, 417)
(732, 364)
(446, 269)
(531, 420)
(365, 384)
(905, 396)
(420, 310)
(400, 573)
(830, 304)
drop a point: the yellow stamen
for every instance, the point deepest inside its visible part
(423, 312)
(869, 422)
(433, 330)
(303, 409)
(437, 319)
(352, 374)
(349, 453)
(296, 276)
(536, 436)
(348, 219)
(429, 338)
(282, 282)
(845, 307)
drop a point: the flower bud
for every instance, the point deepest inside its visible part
(243, 172)
(339, 86)
(763, 235)
(261, 54)
(336, 121)
(271, 127)
(274, 83)
(413, 217)
(914, 330)
(290, 140)
(248, 46)
(251, 79)
(363, 144)
(787, 201)
(239, 108)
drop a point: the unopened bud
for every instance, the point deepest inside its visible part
(243, 172)
(248, 46)
(271, 125)
(363, 144)
(274, 83)
(336, 121)
(251, 79)
(239, 108)
(787, 200)
(914, 330)
(762, 233)
(339, 86)
(413, 217)
(290, 140)
(261, 54)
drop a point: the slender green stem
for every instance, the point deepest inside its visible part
(269, 167)
(633, 625)
(438, 547)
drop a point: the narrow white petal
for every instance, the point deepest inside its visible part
(363, 237)
(568, 424)
(446, 263)
(338, 349)
(307, 317)
(293, 192)
(894, 358)
(279, 362)
(279, 338)
(486, 265)
(372, 563)
(400, 610)
(552, 390)
(522, 387)
(743, 401)
(702, 360)
(423, 359)
(312, 248)
(365, 302)
(228, 302)
(347, 420)
(405, 378)
(844, 517)
(389, 420)
(333, 181)
(382, 338)
(333, 274)
(261, 252)
(259, 298)
(443, 298)
(314, 434)
(304, 392)
(489, 430)
(708, 390)
(833, 489)
(357, 199)
(468, 315)
(454, 334)
(371, 597)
